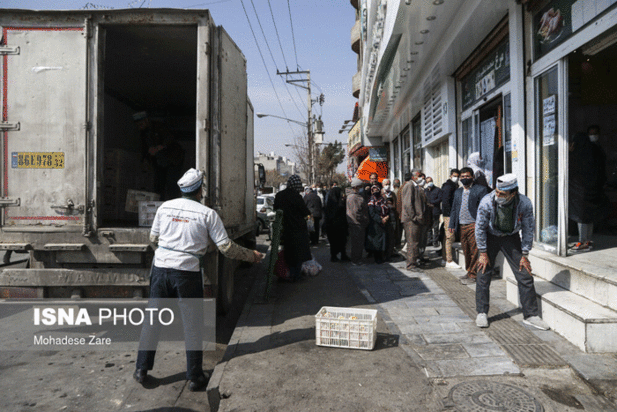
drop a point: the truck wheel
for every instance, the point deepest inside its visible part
(226, 285)
(259, 228)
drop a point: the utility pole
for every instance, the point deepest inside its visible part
(296, 82)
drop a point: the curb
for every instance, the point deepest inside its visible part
(212, 390)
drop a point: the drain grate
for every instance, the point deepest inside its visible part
(525, 348)
(486, 396)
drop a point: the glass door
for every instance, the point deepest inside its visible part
(550, 141)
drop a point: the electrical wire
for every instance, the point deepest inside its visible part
(272, 56)
(292, 33)
(277, 35)
(265, 66)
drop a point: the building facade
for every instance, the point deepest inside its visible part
(514, 81)
(281, 164)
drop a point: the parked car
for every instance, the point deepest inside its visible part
(265, 205)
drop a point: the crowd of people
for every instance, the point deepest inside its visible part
(378, 218)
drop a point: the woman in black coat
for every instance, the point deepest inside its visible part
(587, 201)
(376, 231)
(295, 233)
(335, 224)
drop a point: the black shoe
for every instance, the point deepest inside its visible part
(334, 259)
(140, 375)
(345, 258)
(198, 384)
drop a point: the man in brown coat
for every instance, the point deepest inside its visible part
(357, 221)
(413, 217)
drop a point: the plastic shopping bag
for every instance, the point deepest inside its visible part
(280, 268)
(310, 224)
(311, 267)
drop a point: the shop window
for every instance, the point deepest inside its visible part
(467, 137)
(406, 143)
(418, 154)
(547, 157)
(395, 159)
(507, 134)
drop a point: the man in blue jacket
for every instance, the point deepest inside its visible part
(463, 216)
(501, 216)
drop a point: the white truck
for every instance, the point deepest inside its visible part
(73, 159)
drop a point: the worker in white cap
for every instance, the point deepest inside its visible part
(183, 228)
(503, 216)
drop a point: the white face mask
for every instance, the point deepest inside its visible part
(387, 188)
(454, 179)
(594, 138)
(430, 184)
(420, 182)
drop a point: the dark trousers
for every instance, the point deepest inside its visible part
(314, 236)
(433, 231)
(181, 284)
(398, 233)
(338, 242)
(357, 234)
(413, 237)
(390, 240)
(510, 246)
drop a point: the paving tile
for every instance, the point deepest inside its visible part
(415, 339)
(429, 329)
(482, 350)
(442, 352)
(412, 303)
(450, 310)
(443, 319)
(477, 367)
(434, 338)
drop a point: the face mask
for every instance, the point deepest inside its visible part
(420, 182)
(466, 181)
(502, 201)
(454, 179)
(430, 184)
(594, 138)
(387, 188)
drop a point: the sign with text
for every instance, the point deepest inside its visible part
(493, 72)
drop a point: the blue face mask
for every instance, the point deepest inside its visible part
(502, 201)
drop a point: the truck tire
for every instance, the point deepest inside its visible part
(227, 268)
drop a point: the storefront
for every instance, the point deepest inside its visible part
(484, 105)
(571, 86)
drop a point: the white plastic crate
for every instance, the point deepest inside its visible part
(147, 211)
(346, 327)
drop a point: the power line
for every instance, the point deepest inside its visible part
(277, 35)
(292, 33)
(264, 63)
(272, 55)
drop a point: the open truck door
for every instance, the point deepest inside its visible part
(45, 126)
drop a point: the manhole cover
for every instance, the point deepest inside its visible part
(483, 396)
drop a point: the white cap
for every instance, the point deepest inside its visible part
(507, 182)
(191, 180)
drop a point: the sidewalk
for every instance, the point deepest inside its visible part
(428, 347)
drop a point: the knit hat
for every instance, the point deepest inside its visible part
(507, 182)
(356, 182)
(295, 183)
(191, 180)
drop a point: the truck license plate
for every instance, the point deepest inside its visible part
(37, 160)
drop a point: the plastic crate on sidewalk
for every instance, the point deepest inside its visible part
(346, 327)
(147, 211)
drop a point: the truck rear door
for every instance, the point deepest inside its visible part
(44, 72)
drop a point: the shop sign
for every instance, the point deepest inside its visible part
(355, 135)
(557, 21)
(493, 72)
(378, 154)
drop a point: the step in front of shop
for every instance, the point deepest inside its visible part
(586, 324)
(589, 277)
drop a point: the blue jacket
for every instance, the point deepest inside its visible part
(524, 222)
(477, 192)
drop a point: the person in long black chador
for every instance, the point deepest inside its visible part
(295, 233)
(335, 224)
(376, 231)
(587, 200)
